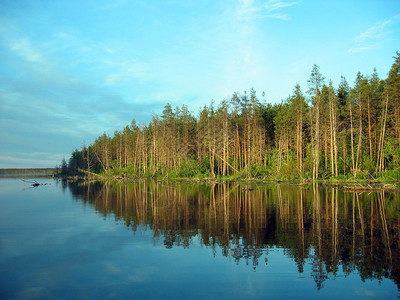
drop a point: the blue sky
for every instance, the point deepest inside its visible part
(71, 70)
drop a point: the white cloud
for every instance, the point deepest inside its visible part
(248, 10)
(362, 48)
(112, 78)
(276, 5)
(282, 17)
(375, 32)
(110, 50)
(24, 48)
(126, 71)
(374, 36)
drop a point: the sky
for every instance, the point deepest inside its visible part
(71, 70)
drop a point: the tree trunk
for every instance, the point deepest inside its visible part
(317, 139)
(369, 127)
(359, 139)
(380, 162)
(352, 142)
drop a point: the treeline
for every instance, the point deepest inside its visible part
(343, 132)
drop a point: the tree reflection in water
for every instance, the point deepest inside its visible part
(330, 228)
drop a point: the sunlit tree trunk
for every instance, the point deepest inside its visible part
(369, 126)
(380, 162)
(359, 138)
(333, 131)
(352, 142)
(315, 83)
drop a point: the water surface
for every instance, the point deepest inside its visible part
(166, 240)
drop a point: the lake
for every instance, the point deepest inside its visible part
(159, 240)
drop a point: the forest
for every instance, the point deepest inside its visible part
(327, 132)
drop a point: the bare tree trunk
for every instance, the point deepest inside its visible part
(312, 125)
(326, 145)
(369, 127)
(301, 141)
(344, 153)
(380, 162)
(334, 133)
(299, 137)
(237, 147)
(335, 143)
(225, 169)
(317, 139)
(120, 150)
(332, 117)
(359, 138)
(352, 142)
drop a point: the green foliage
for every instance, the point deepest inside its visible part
(244, 138)
(289, 170)
(393, 80)
(392, 175)
(116, 170)
(342, 177)
(189, 168)
(268, 114)
(369, 164)
(260, 171)
(64, 166)
(308, 162)
(392, 153)
(130, 170)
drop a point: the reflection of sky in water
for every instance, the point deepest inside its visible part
(54, 247)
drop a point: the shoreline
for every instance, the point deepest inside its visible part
(350, 185)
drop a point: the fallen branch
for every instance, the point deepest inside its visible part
(88, 172)
(34, 183)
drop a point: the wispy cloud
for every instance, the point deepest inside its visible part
(126, 71)
(247, 10)
(24, 48)
(271, 9)
(374, 36)
(378, 30)
(277, 5)
(282, 17)
(362, 48)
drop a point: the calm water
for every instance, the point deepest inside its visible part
(233, 241)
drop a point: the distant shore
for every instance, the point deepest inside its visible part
(30, 171)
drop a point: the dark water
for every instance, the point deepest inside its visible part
(167, 241)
